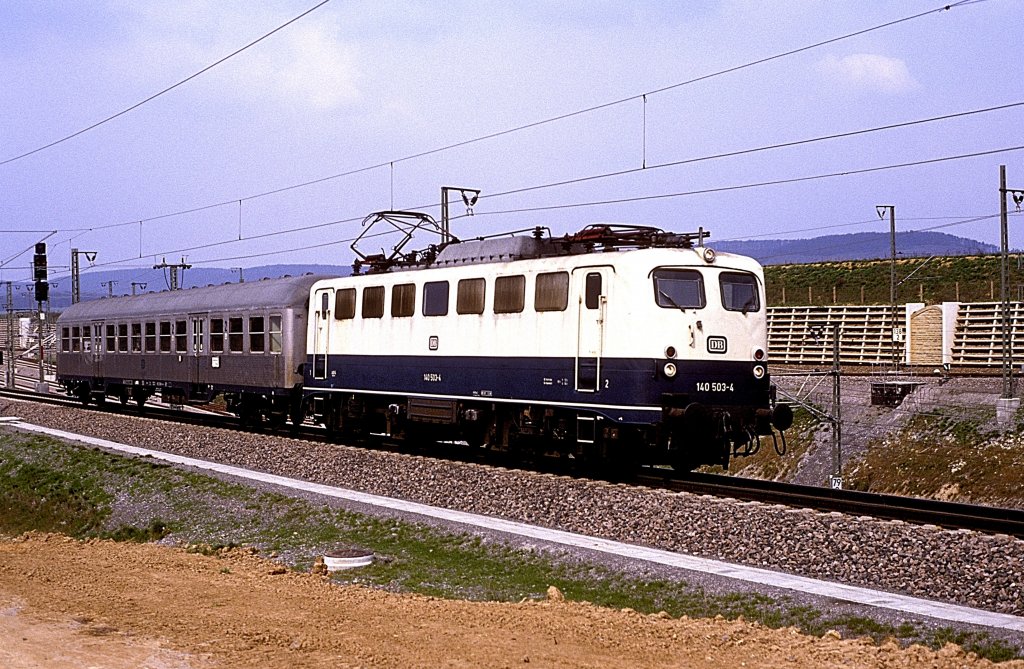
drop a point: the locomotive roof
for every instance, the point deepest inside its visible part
(268, 293)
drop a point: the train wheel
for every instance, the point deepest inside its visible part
(84, 393)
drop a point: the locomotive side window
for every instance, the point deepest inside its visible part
(435, 298)
(137, 337)
(592, 291)
(122, 337)
(111, 338)
(165, 336)
(257, 340)
(276, 336)
(551, 292)
(373, 302)
(739, 292)
(235, 334)
(181, 336)
(150, 337)
(679, 289)
(345, 304)
(509, 294)
(325, 303)
(403, 300)
(216, 335)
(469, 298)
(65, 340)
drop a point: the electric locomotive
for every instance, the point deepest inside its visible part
(617, 345)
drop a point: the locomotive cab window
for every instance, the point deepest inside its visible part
(679, 289)
(470, 296)
(739, 292)
(373, 302)
(344, 304)
(403, 300)
(435, 298)
(551, 292)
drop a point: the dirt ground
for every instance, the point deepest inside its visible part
(65, 603)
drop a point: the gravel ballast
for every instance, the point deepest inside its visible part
(962, 567)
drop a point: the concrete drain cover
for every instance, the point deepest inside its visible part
(347, 558)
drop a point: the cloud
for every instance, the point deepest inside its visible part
(870, 71)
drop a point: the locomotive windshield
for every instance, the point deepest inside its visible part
(739, 292)
(679, 289)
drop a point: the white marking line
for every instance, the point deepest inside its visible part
(849, 593)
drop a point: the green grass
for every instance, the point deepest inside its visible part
(49, 486)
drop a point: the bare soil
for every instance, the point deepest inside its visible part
(66, 603)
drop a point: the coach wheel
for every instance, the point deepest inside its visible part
(84, 393)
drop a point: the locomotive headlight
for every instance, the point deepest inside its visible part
(670, 352)
(709, 255)
(758, 371)
(669, 369)
(759, 354)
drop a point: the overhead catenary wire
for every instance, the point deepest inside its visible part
(164, 91)
(558, 118)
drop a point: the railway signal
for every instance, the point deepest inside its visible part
(42, 288)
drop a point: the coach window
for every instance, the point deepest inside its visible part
(235, 338)
(276, 335)
(739, 292)
(216, 335)
(403, 300)
(122, 337)
(111, 338)
(181, 336)
(345, 304)
(551, 292)
(65, 340)
(373, 302)
(679, 289)
(86, 339)
(592, 291)
(76, 339)
(150, 337)
(257, 336)
(165, 336)
(137, 337)
(435, 298)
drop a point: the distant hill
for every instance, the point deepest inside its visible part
(855, 246)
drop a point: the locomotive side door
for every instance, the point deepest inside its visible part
(323, 302)
(590, 286)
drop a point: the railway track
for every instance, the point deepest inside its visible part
(953, 515)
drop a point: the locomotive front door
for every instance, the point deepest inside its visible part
(322, 331)
(590, 286)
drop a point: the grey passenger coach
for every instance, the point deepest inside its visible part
(245, 340)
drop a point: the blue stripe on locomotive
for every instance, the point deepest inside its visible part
(631, 389)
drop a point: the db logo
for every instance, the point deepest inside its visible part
(717, 345)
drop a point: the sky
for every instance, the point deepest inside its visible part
(276, 154)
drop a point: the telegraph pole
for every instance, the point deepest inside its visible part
(76, 296)
(136, 284)
(109, 285)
